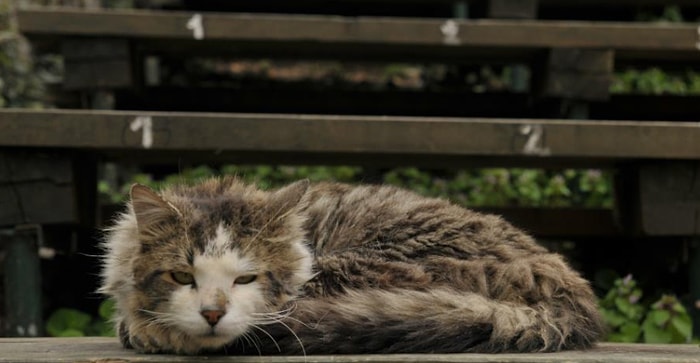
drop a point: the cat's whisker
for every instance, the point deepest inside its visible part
(301, 344)
(250, 339)
(279, 349)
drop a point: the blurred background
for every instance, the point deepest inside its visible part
(628, 222)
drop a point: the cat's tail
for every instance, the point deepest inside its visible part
(439, 321)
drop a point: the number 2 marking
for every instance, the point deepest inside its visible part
(535, 141)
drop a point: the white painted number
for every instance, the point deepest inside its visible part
(196, 25)
(535, 140)
(145, 124)
(450, 31)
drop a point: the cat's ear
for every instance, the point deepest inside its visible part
(288, 197)
(149, 208)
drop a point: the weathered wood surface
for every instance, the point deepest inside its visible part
(109, 350)
(407, 138)
(368, 37)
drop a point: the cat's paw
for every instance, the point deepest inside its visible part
(145, 344)
(143, 339)
(123, 334)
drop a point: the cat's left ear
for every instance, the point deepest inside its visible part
(149, 208)
(289, 196)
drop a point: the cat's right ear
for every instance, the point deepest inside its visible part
(150, 209)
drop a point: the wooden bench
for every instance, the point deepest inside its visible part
(44, 350)
(105, 50)
(380, 140)
(54, 153)
(365, 38)
(518, 9)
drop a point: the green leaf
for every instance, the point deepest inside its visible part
(655, 334)
(102, 328)
(67, 319)
(613, 318)
(683, 324)
(625, 307)
(659, 317)
(631, 331)
(107, 309)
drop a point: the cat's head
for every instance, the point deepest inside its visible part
(217, 258)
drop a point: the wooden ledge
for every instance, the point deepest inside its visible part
(231, 137)
(366, 37)
(40, 350)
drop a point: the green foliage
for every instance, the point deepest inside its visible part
(667, 322)
(631, 321)
(670, 14)
(511, 187)
(481, 187)
(19, 85)
(655, 81)
(66, 322)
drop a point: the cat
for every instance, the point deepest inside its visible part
(330, 268)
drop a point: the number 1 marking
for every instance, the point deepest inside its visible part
(196, 24)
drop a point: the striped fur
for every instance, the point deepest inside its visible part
(339, 269)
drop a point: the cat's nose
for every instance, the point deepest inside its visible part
(212, 316)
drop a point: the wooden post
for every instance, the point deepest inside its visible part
(694, 282)
(576, 74)
(97, 64)
(512, 9)
(22, 281)
(460, 10)
(669, 198)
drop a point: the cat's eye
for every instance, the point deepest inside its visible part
(182, 278)
(245, 279)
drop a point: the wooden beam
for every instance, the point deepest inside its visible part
(42, 350)
(219, 134)
(617, 3)
(371, 36)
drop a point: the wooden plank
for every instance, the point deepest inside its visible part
(95, 350)
(608, 3)
(308, 33)
(218, 134)
(600, 3)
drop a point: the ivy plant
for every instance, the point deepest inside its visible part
(630, 321)
(66, 322)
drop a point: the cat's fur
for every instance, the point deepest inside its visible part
(340, 269)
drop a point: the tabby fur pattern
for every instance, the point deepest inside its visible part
(330, 268)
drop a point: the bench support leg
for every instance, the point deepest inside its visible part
(694, 270)
(22, 283)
